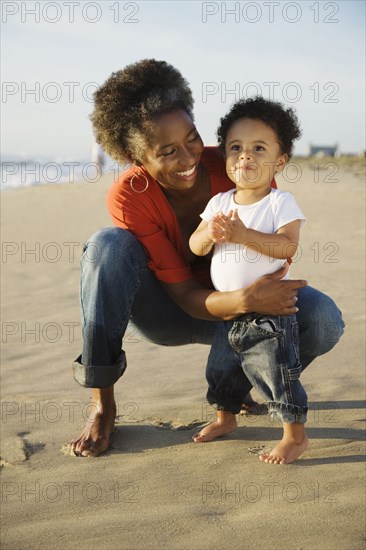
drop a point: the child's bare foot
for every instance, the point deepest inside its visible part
(225, 423)
(292, 445)
(284, 452)
(94, 439)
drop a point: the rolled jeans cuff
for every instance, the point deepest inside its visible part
(291, 414)
(223, 402)
(91, 376)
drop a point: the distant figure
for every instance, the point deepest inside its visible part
(98, 156)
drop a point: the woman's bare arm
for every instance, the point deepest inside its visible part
(269, 294)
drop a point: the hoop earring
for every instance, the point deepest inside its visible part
(146, 185)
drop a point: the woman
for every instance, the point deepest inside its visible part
(142, 270)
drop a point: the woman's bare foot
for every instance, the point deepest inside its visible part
(94, 439)
(292, 445)
(225, 423)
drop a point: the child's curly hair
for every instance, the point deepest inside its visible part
(129, 102)
(283, 121)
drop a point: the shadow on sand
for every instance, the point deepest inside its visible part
(137, 438)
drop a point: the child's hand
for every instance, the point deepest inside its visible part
(227, 229)
(215, 232)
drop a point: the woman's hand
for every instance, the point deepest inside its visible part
(267, 295)
(271, 295)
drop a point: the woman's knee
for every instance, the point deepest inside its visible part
(320, 320)
(111, 246)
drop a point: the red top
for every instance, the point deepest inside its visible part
(149, 216)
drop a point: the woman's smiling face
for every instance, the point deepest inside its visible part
(174, 155)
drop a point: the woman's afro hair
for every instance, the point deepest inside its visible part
(283, 121)
(129, 102)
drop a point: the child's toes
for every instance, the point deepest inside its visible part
(272, 459)
(264, 457)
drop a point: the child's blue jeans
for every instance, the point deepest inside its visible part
(266, 349)
(117, 286)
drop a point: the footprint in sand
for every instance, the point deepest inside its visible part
(175, 425)
(256, 450)
(16, 449)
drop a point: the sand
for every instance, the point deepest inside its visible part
(155, 488)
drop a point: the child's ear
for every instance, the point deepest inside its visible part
(281, 161)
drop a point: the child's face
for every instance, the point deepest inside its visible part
(253, 154)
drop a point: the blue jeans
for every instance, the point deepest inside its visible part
(117, 286)
(266, 349)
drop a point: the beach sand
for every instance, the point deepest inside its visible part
(155, 488)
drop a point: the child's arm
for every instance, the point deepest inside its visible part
(205, 236)
(282, 244)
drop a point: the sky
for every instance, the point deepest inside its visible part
(309, 55)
